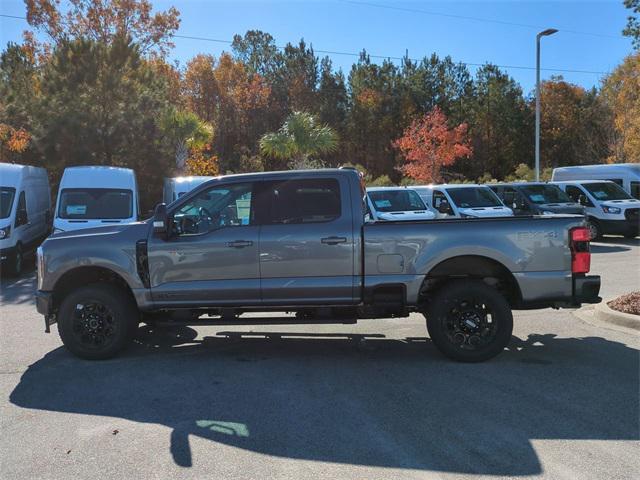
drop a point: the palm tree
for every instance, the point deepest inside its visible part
(184, 130)
(299, 138)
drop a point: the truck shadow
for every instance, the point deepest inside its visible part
(19, 290)
(353, 399)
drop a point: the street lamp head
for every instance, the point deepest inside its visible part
(547, 32)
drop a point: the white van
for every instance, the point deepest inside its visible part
(175, 187)
(627, 175)
(463, 201)
(94, 197)
(395, 204)
(25, 212)
(609, 209)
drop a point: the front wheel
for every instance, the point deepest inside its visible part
(594, 230)
(469, 321)
(97, 321)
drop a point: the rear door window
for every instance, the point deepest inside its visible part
(301, 201)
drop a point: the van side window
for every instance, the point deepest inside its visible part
(574, 194)
(302, 201)
(220, 206)
(437, 199)
(21, 211)
(635, 190)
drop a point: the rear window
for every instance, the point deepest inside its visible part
(474, 197)
(95, 203)
(396, 200)
(6, 201)
(303, 201)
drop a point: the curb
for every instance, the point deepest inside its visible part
(605, 314)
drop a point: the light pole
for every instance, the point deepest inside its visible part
(544, 33)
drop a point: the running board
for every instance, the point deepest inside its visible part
(258, 321)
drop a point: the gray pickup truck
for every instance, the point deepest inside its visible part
(297, 242)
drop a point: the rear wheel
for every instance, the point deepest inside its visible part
(97, 321)
(469, 321)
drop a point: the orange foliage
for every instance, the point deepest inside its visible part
(202, 163)
(103, 20)
(14, 140)
(428, 144)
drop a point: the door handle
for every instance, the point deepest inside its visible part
(240, 243)
(333, 240)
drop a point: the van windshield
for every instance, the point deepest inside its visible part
(6, 201)
(541, 194)
(474, 197)
(95, 203)
(396, 200)
(606, 191)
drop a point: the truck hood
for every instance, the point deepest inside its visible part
(406, 215)
(485, 212)
(114, 229)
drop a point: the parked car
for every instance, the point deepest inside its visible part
(297, 242)
(463, 201)
(95, 196)
(626, 175)
(609, 209)
(175, 187)
(396, 203)
(536, 198)
(25, 213)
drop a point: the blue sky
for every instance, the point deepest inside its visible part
(417, 26)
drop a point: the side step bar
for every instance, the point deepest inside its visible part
(257, 321)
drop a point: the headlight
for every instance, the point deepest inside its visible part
(464, 215)
(612, 210)
(546, 212)
(57, 230)
(5, 232)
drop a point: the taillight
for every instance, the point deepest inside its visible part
(580, 254)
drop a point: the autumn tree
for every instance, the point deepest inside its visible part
(428, 144)
(299, 139)
(104, 21)
(621, 92)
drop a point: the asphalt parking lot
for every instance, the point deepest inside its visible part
(373, 400)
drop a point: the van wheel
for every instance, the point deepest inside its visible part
(469, 321)
(594, 229)
(16, 262)
(98, 321)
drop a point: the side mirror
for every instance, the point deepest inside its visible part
(509, 198)
(444, 207)
(582, 200)
(161, 227)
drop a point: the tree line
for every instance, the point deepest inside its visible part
(101, 90)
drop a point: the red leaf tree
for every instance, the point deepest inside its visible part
(428, 144)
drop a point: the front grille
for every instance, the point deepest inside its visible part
(632, 214)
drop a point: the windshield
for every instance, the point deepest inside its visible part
(396, 200)
(541, 194)
(473, 197)
(95, 203)
(606, 191)
(6, 201)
